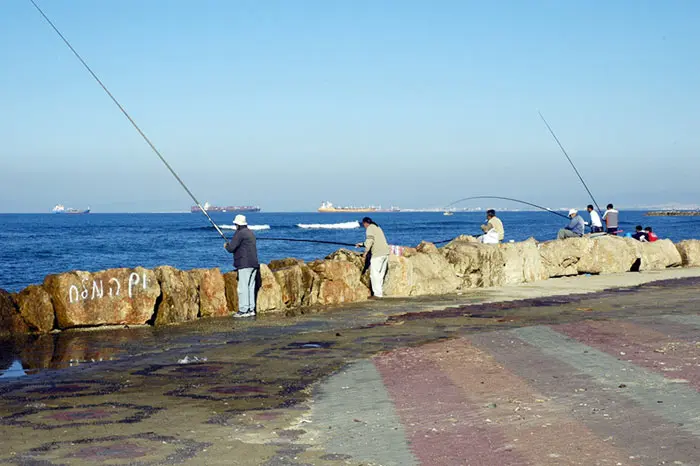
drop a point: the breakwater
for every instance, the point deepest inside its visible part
(165, 295)
(674, 213)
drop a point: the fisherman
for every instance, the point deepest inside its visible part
(651, 236)
(493, 229)
(377, 249)
(245, 260)
(611, 217)
(575, 227)
(640, 234)
(596, 224)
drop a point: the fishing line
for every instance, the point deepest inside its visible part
(131, 120)
(506, 199)
(264, 238)
(570, 161)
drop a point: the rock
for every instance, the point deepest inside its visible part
(212, 292)
(432, 273)
(112, 296)
(560, 257)
(690, 252)
(659, 255)
(356, 259)
(299, 285)
(36, 308)
(37, 352)
(269, 295)
(231, 289)
(11, 322)
(478, 265)
(179, 301)
(608, 254)
(340, 282)
(523, 263)
(399, 280)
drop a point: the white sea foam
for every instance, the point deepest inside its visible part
(252, 227)
(329, 226)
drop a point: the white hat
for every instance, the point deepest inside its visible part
(572, 212)
(240, 220)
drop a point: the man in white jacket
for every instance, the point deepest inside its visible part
(378, 250)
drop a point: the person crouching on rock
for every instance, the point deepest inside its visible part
(640, 234)
(245, 260)
(651, 236)
(575, 227)
(493, 229)
(377, 249)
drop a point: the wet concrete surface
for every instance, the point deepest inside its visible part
(385, 382)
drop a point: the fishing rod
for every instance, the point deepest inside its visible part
(570, 161)
(126, 114)
(506, 199)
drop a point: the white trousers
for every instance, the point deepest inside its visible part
(377, 271)
(491, 237)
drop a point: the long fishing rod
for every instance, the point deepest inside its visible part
(570, 161)
(126, 114)
(506, 199)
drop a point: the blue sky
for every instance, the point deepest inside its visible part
(286, 104)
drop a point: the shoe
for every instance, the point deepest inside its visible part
(240, 315)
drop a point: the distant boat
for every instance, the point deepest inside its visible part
(232, 208)
(61, 209)
(328, 207)
(448, 213)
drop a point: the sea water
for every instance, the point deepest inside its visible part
(35, 245)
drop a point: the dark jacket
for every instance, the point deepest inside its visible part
(243, 248)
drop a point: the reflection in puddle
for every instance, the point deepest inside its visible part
(15, 370)
(28, 354)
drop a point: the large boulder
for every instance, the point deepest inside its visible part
(212, 292)
(36, 308)
(231, 290)
(523, 263)
(658, 255)
(299, 284)
(560, 257)
(355, 258)
(269, 292)
(608, 254)
(340, 282)
(431, 271)
(690, 252)
(114, 296)
(399, 280)
(180, 296)
(479, 265)
(11, 322)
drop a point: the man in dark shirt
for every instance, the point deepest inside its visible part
(245, 260)
(640, 235)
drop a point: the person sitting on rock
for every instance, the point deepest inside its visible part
(377, 249)
(651, 236)
(493, 229)
(640, 234)
(596, 223)
(611, 217)
(575, 227)
(245, 260)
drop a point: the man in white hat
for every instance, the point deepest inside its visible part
(245, 260)
(575, 227)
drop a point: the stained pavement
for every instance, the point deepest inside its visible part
(553, 378)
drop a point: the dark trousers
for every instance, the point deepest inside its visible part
(596, 229)
(612, 230)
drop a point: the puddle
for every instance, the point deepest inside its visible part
(14, 371)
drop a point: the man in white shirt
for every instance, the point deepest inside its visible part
(596, 223)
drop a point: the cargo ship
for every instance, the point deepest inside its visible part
(328, 207)
(61, 209)
(232, 208)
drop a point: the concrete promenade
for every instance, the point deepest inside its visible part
(599, 370)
